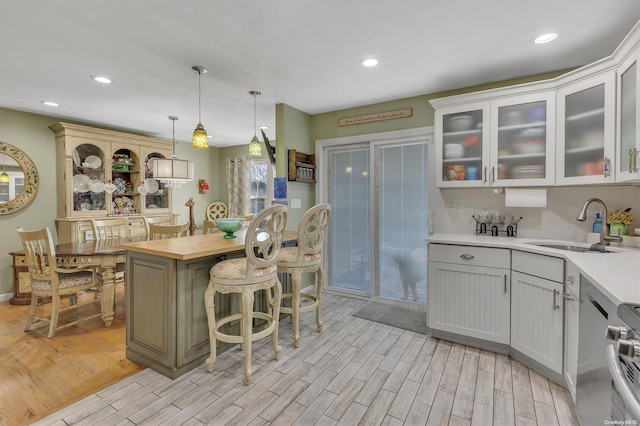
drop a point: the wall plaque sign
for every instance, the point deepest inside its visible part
(369, 118)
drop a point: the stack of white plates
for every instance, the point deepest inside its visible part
(453, 150)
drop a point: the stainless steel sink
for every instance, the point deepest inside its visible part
(581, 248)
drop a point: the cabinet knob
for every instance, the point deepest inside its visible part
(466, 256)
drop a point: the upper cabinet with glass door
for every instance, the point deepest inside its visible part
(461, 144)
(522, 141)
(627, 167)
(586, 131)
(501, 142)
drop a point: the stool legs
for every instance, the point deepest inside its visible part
(211, 315)
(319, 284)
(277, 298)
(247, 325)
(296, 282)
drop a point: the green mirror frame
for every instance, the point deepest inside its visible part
(31, 179)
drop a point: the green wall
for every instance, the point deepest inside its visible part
(31, 133)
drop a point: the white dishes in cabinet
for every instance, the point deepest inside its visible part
(81, 183)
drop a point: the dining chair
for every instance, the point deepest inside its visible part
(117, 227)
(216, 210)
(306, 257)
(50, 281)
(112, 228)
(158, 232)
(244, 276)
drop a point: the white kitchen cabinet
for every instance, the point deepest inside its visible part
(537, 308)
(571, 321)
(627, 165)
(503, 141)
(586, 131)
(469, 291)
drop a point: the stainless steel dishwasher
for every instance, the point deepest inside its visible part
(593, 382)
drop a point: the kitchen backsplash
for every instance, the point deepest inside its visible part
(557, 220)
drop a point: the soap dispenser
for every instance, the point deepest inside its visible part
(597, 224)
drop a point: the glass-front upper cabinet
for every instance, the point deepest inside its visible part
(125, 176)
(628, 144)
(157, 194)
(88, 180)
(586, 131)
(522, 136)
(461, 145)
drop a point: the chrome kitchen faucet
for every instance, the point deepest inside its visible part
(605, 238)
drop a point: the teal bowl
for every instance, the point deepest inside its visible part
(229, 226)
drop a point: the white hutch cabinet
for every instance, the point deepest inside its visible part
(89, 158)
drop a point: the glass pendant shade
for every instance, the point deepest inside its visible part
(4, 177)
(255, 149)
(200, 139)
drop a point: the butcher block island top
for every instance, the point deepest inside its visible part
(195, 246)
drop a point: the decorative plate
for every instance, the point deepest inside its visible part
(97, 186)
(142, 190)
(76, 158)
(121, 185)
(93, 161)
(151, 185)
(81, 183)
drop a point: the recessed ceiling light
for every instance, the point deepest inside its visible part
(101, 79)
(49, 103)
(545, 38)
(370, 62)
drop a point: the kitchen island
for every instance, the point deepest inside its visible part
(166, 320)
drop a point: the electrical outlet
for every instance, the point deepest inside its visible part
(449, 204)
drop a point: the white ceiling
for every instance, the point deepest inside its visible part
(304, 53)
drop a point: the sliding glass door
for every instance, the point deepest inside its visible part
(378, 193)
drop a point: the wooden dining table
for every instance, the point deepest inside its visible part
(106, 255)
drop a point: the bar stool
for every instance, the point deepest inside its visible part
(307, 257)
(245, 276)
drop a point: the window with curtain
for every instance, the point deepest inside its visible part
(261, 184)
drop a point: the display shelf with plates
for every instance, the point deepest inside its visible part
(103, 174)
(157, 196)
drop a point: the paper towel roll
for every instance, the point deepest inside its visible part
(525, 197)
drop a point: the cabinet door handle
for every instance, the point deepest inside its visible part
(493, 174)
(484, 175)
(631, 162)
(505, 283)
(555, 303)
(466, 256)
(567, 297)
(607, 167)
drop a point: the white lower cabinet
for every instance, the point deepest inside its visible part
(571, 321)
(537, 308)
(469, 291)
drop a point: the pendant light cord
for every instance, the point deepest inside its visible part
(199, 98)
(254, 115)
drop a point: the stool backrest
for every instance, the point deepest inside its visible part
(264, 239)
(313, 226)
(104, 229)
(158, 232)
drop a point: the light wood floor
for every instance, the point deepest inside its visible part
(39, 376)
(355, 372)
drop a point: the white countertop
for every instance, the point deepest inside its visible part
(616, 275)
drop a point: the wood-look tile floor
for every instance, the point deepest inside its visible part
(354, 372)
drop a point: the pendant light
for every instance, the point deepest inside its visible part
(255, 149)
(200, 139)
(4, 177)
(172, 172)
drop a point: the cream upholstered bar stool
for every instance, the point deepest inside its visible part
(244, 276)
(49, 280)
(307, 257)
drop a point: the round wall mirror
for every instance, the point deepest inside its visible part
(19, 179)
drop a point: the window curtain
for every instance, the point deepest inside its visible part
(238, 185)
